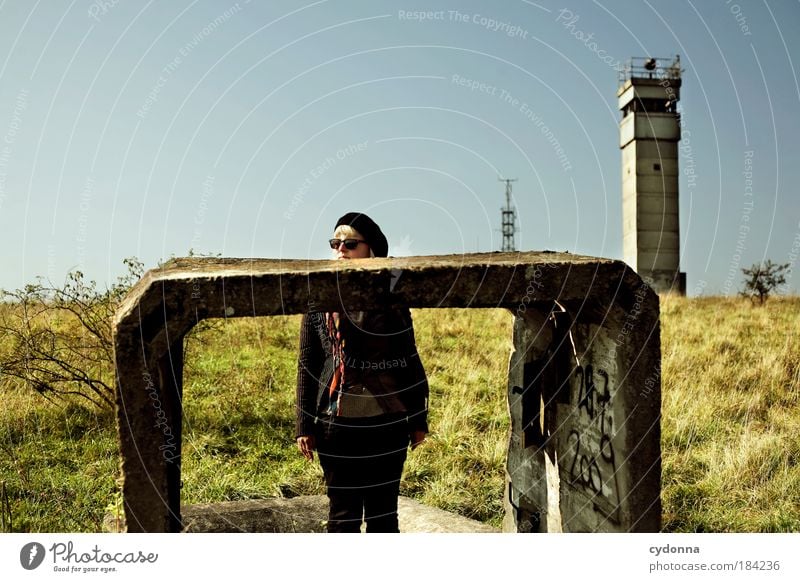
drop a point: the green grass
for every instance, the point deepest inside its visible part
(59, 464)
(239, 411)
(730, 415)
(731, 458)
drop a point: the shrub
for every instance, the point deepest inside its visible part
(762, 279)
(58, 340)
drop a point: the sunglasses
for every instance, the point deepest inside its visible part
(349, 243)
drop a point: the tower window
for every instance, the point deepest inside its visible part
(657, 167)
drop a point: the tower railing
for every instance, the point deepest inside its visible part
(651, 68)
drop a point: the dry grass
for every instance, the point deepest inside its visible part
(731, 454)
(730, 415)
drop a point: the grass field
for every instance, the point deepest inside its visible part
(731, 455)
(731, 415)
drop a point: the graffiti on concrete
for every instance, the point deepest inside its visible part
(590, 445)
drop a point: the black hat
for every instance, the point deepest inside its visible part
(369, 230)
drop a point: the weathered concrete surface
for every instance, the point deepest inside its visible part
(304, 514)
(308, 513)
(584, 376)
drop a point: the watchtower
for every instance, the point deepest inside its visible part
(649, 133)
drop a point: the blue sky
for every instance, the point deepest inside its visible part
(248, 128)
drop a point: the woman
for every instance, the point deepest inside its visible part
(362, 396)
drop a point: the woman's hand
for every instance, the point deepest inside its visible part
(417, 436)
(307, 445)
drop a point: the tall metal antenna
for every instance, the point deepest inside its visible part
(509, 218)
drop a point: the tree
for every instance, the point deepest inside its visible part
(762, 279)
(59, 340)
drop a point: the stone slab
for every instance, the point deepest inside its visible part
(306, 514)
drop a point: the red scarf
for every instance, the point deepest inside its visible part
(338, 355)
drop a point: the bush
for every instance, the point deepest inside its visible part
(762, 279)
(58, 340)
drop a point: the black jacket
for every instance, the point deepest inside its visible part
(380, 352)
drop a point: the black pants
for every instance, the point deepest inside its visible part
(362, 459)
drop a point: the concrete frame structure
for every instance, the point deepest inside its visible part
(584, 390)
(649, 133)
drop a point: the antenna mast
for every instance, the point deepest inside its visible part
(509, 219)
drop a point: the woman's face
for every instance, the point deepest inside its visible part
(360, 252)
